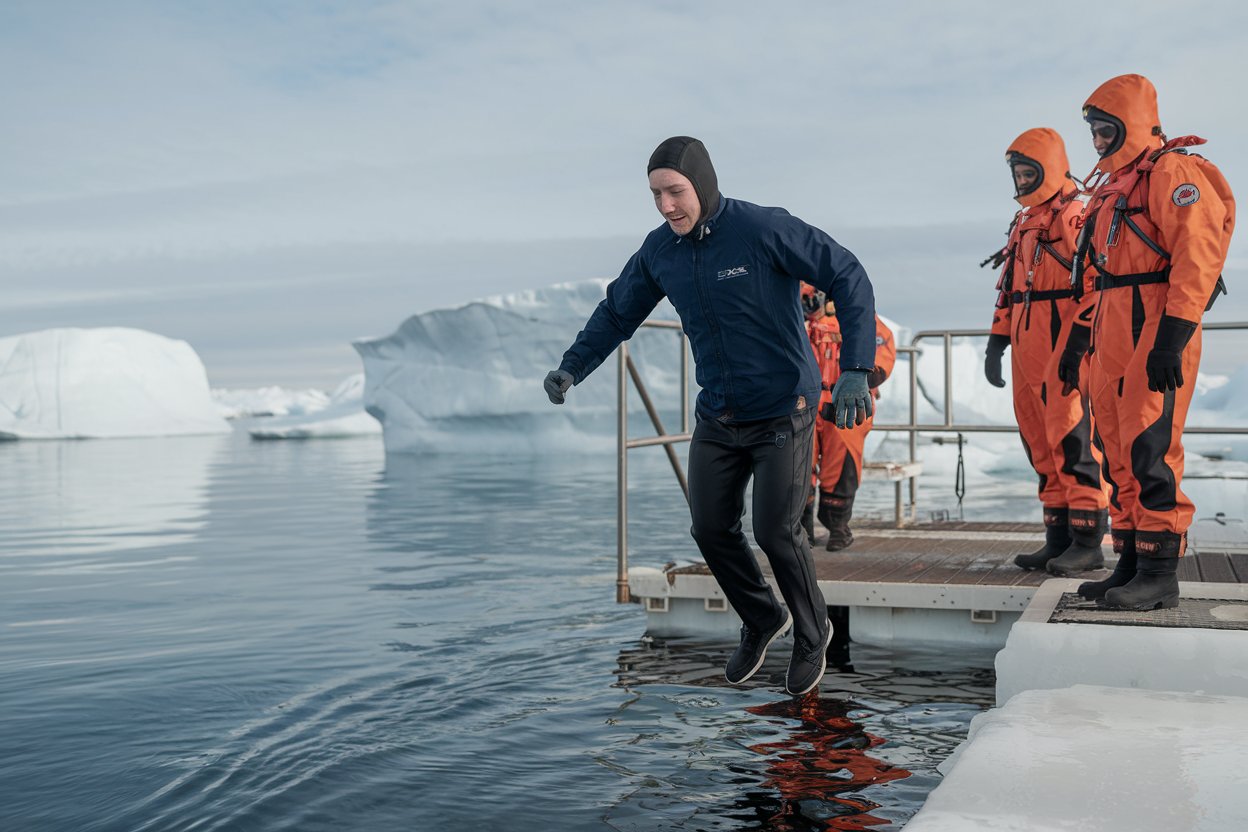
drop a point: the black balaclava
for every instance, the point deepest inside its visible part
(688, 156)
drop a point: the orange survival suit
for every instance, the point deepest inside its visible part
(1154, 240)
(838, 451)
(1036, 308)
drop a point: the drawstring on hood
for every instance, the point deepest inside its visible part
(688, 156)
(1043, 149)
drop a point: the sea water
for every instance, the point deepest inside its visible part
(222, 634)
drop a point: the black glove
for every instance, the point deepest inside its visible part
(992, 360)
(1068, 365)
(1164, 364)
(851, 398)
(557, 384)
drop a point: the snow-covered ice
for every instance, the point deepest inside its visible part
(239, 403)
(342, 416)
(109, 382)
(1039, 654)
(1097, 758)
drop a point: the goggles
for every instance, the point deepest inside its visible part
(1103, 129)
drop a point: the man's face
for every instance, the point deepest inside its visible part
(1024, 177)
(676, 199)
(1103, 135)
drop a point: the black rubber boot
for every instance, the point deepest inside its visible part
(1156, 582)
(834, 514)
(1087, 531)
(1056, 539)
(1124, 547)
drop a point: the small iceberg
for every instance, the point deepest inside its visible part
(343, 416)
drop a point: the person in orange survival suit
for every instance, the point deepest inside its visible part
(1036, 307)
(1154, 240)
(838, 451)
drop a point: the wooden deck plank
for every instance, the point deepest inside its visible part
(910, 572)
(1188, 570)
(1215, 568)
(936, 554)
(1240, 564)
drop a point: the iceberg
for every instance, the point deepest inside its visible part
(342, 416)
(240, 403)
(109, 382)
(471, 378)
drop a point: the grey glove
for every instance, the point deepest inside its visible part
(557, 384)
(851, 398)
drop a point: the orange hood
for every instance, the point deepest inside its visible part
(1132, 99)
(1046, 148)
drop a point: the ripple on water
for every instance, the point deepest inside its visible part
(313, 637)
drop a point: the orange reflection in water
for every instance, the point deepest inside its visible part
(824, 760)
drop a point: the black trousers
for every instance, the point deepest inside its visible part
(777, 454)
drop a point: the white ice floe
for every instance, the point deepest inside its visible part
(1097, 758)
(343, 416)
(100, 383)
(239, 403)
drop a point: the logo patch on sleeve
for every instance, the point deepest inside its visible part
(1185, 195)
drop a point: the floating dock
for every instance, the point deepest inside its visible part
(947, 582)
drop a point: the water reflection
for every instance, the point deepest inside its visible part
(861, 754)
(69, 501)
(822, 763)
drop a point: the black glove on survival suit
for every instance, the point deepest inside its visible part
(686, 155)
(1068, 365)
(1164, 364)
(992, 359)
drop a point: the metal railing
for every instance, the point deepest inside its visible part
(628, 369)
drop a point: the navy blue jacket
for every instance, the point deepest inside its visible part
(738, 293)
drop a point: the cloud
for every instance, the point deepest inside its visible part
(152, 142)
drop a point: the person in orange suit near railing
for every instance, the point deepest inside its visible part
(1036, 308)
(838, 451)
(1154, 240)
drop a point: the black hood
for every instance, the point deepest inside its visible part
(688, 156)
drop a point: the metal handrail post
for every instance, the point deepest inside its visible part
(914, 436)
(948, 380)
(621, 519)
(684, 385)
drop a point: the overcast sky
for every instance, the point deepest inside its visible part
(269, 180)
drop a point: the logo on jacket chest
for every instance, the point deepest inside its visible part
(735, 271)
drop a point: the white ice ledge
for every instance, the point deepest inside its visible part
(1097, 758)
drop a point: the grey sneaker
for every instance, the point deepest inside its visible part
(748, 657)
(808, 663)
